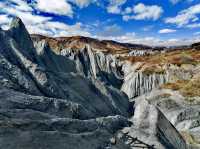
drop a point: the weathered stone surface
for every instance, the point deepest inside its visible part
(73, 100)
(182, 114)
(106, 68)
(151, 127)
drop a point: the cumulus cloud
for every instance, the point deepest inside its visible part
(82, 3)
(4, 19)
(143, 12)
(185, 16)
(38, 24)
(53, 6)
(166, 30)
(115, 6)
(20, 5)
(57, 29)
(25, 14)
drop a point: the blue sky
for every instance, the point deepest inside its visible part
(151, 22)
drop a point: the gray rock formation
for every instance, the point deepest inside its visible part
(46, 103)
(97, 65)
(184, 115)
(142, 52)
(72, 100)
(137, 83)
(151, 127)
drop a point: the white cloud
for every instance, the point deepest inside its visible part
(82, 3)
(53, 6)
(143, 12)
(57, 29)
(128, 10)
(115, 6)
(25, 12)
(151, 41)
(38, 24)
(177, 1)
(185, 16)
(166, 30)
(4, 19)
(194, 25)
(20, 5)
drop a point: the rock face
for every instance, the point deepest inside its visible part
(72, 100)
(137, 83)
(142, 52)
(106, 68)
(29, 122)
(180, 111)
(46, 103)
(152, 127)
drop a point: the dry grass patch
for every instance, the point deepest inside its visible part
(174, 86)
(189, 138)
(188, 88)
(153, 69)
(178, 57)
(192, 88)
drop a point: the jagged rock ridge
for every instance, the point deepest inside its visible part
(63, 101)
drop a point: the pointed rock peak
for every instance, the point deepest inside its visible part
(19, 32)
(17, 23)
(21, 36)
(18, 29)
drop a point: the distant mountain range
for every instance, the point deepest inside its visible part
(79, 42)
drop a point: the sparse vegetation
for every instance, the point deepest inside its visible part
(165, 95)
(153, 69)
(79, 42)
(154, 63)
(175, 86)
(192, 88)
(188, 88)
(189, 138)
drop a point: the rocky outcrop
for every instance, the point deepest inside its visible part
(180, 111)
(72, 99)
(137, 82)
(152, 127)
(97, 65)
(55, 76)
(46, 103)
(29, 122)
(142, 52)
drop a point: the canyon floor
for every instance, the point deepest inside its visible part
(83, 93)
